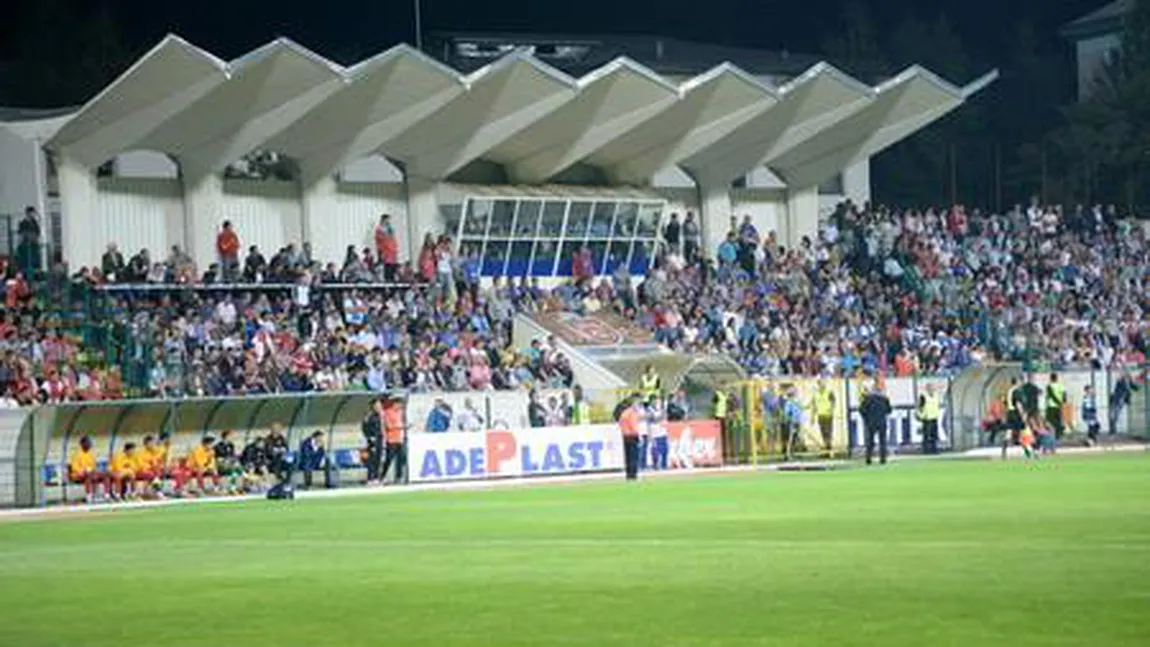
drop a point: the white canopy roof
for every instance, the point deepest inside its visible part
(518, 111)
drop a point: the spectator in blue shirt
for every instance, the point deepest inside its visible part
(439, 419)
(728, 250)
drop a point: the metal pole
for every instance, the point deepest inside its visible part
(953, 175)
(418, 26)
(998, 177)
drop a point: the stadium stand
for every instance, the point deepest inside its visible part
(900, 292)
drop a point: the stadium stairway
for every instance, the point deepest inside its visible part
(609, 354)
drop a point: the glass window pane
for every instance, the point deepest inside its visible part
(478, 212)
(598, 254)
(641, 256)
(566, 255)
(578, 219)
(520, 260)
(552, 221)
(527, 220)
(625, 219)
(501, 218)
(494, 257)
(649, 219)
(601, 222)
(544, 262)
(619, 253)
(451, 214)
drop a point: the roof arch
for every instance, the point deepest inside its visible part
(517, 111)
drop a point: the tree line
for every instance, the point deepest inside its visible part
(1026, 135)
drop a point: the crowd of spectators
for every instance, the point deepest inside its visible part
(902, 292)
(293, 332)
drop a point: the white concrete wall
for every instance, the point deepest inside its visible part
(766, 207)
(339, 214)
(78, 199)
(264, 213)
(856, 182)
(17, 173)
(138, 213)
(145, 164)
(763, 178)
(373, 168)
(802, 216)
(672, 177)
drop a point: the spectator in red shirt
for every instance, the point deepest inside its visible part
(387, 246)
(582, 265)
(427, 259)
(16, 291)
(228, 246)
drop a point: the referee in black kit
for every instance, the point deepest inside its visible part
(875, 409)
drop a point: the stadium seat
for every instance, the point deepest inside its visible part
(347, 459)
(50, 474)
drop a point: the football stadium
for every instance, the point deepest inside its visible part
(552, 339)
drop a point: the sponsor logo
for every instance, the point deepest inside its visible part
(903, 428)
(524, 452)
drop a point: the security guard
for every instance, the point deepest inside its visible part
(1055, 398)
(630, 423)
(580, 410)
(929, 411)
(650, 385)
(824, 406)
(719, 412)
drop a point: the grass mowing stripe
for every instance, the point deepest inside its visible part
(983, 553)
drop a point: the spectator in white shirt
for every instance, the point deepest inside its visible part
(469, 419)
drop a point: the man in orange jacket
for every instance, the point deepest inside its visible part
(394, 428)
(631, 425)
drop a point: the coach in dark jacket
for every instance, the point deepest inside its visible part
(875, 410)
(373, 435)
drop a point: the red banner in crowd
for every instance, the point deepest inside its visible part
(695, 443)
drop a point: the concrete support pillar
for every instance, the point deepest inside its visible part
(83, 244)
(856, 182)
(317, 205)
(802, 215)
(422, 215)
(203, 213)
(715, 215)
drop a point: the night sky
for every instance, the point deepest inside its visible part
(347, 30)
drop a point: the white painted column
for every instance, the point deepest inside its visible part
(317, 202)
(203, 214)
(856, 182)
(423, 215)
(715, 215)
(802, 216)
(82, 244)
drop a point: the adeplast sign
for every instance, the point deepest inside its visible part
(511, 453)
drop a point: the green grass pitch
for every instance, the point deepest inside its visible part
(918, 553)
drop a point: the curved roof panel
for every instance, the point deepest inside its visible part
(902, 105)
(267, 91)
(502, 99)
(611, 101)
(519, 111)
(713, 104)
(162, 83)
(818, 98)
(384, 96)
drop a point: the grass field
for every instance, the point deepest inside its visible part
(938, 553)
